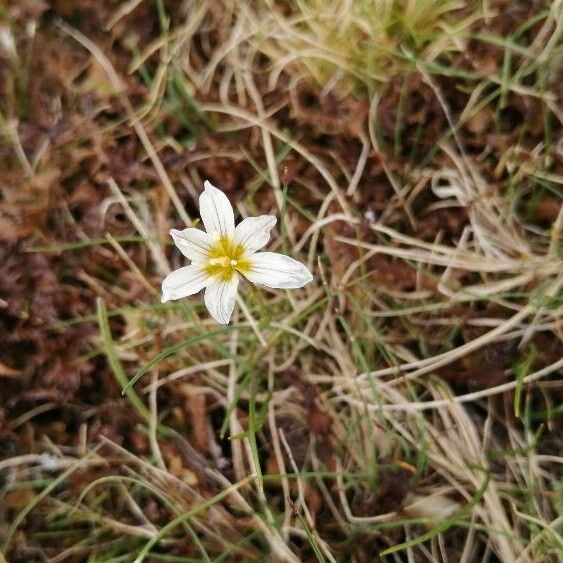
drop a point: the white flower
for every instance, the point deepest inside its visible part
(222, 252)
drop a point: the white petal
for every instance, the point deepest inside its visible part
(216, 211)
(278, 271)
(192, 243)
(183, 282)
(220, 299)
(254, 232)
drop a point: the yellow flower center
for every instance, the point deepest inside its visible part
(225, 258)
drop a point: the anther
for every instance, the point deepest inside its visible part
(222, 261)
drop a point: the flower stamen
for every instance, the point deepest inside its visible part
(222, 261)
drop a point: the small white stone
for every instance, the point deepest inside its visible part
(49, 462)
(7, 43)
(369, 215)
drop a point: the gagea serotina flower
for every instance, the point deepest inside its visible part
(221, 253)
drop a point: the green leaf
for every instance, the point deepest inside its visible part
(115, 363)
(522, 369)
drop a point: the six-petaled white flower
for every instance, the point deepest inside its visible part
(222, 252)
